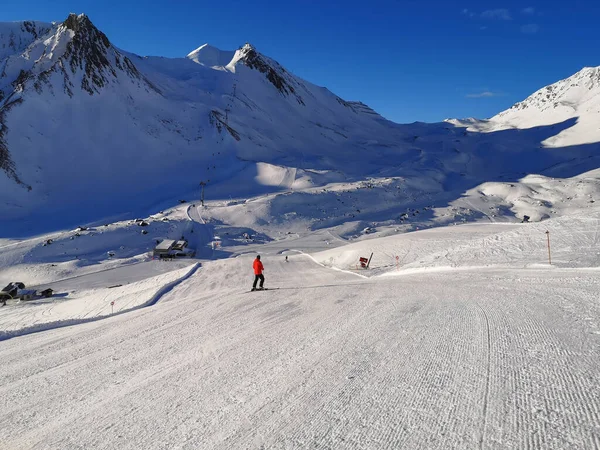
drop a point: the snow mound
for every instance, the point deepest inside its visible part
(271, 175)
(87, 305)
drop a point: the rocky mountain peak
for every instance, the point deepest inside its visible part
(79, 22)
(274, 72)
(90, 51)
(47, 59)
(247, 47)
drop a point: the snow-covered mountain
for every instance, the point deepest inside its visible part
(83, 120)
(88, 131)
(574, 98)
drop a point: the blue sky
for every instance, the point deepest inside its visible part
(409, 60)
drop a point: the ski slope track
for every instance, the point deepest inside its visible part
(506, 357)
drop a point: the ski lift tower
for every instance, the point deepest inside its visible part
(202, 184)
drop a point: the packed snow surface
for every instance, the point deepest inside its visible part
(470, 339)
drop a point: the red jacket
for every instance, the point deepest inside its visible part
(258, 267)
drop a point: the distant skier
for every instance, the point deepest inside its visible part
(286, 259)
(258, 270)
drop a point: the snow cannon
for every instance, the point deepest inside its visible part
(365, 262)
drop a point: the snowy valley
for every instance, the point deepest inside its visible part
(461, 333)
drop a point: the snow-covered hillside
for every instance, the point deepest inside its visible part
(15, 37)
(578, 95)
(89, 131)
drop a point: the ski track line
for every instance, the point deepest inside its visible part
(486, 396)
(533, 415)
(441, 343)
(4, 335)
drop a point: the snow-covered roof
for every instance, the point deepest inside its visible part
(165, 245)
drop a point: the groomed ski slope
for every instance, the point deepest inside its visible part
(506, 357)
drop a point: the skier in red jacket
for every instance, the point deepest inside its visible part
(258, 270)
